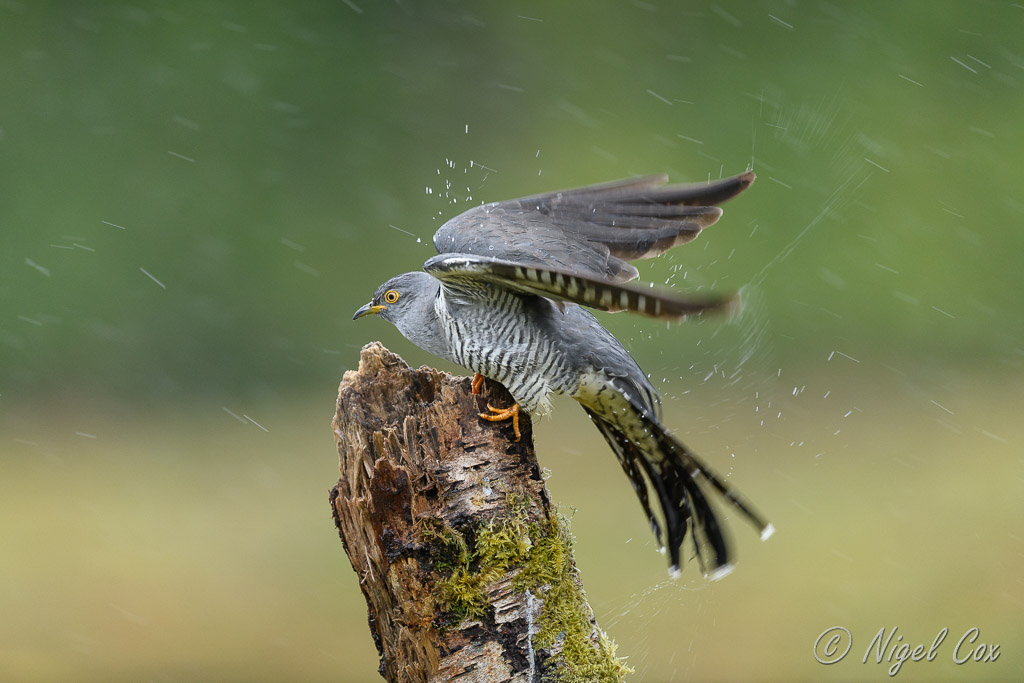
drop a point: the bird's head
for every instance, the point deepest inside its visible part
(398, 296)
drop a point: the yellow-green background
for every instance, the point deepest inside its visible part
(270, 163)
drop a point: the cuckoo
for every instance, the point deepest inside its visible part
(506, 297)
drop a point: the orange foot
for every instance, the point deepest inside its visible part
(478, 381)
(499, 414)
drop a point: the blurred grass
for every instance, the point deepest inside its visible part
(176, 545)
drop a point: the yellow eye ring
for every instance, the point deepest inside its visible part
(391, 296)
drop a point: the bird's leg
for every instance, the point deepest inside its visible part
(499, 414)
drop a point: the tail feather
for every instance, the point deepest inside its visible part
(633, 464)
(680, 481)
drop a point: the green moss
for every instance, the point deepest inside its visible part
(501, 544)
(542, 554)
(549, 573)
(447, 547)
(462, 594)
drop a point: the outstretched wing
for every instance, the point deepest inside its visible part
(574, 245)
(591, 230)
(468, 272)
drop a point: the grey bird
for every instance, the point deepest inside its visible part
(505, 296)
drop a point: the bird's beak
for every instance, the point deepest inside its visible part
(367, 310)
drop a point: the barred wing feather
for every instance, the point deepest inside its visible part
(471, 272)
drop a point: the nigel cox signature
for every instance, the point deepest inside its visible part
(889, 647)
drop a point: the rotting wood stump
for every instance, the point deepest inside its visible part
(466, 569)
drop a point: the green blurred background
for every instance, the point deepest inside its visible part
(195, 197)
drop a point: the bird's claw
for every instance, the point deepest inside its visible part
(499, 414)
(478, 382)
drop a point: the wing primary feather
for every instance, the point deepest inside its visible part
(701, 194)
(592, 230)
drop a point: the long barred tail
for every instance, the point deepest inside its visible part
(654, 458)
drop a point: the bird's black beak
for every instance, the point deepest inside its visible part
(368, 309)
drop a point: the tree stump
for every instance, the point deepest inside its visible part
(466, 569)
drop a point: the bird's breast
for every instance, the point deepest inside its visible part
(499, 339)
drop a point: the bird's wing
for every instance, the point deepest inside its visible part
(469, 272)
(593, 230)
(574, 245)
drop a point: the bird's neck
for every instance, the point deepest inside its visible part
(422, 327)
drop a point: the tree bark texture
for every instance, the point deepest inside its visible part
(466, 569)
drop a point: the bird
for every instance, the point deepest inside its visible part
(507, 297)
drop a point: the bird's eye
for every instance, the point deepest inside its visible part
(391, 296)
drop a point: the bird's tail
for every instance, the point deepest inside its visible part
(650, 456)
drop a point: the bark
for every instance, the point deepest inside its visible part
(466, 569)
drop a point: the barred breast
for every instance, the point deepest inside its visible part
(492, 333)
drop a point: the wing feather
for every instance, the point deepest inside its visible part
(591, 230)
(470, 272)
